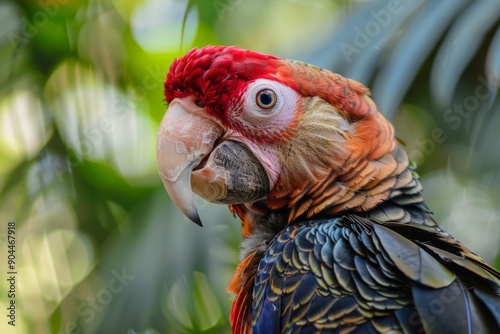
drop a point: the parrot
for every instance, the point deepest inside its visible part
(336, 235)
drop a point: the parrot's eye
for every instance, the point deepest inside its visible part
(268, 103)
(266, 99)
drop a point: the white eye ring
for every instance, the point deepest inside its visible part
(266, 99)
(268, 103)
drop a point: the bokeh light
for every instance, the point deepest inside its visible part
(101, 248)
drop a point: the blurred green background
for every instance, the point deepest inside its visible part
(100, 247)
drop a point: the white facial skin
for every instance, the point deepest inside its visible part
(259, 118)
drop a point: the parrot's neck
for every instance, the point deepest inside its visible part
(403, 202)
(406, 208)
(394, 197)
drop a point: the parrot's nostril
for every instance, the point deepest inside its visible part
(199, 103)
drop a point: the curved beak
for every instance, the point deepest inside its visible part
(188, 161)
(184, 139)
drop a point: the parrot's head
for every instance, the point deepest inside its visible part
(269, 135)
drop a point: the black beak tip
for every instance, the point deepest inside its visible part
(197, 221)
(195, 218)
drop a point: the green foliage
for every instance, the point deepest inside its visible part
(102, 249)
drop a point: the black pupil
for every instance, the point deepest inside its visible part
(266, 98)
